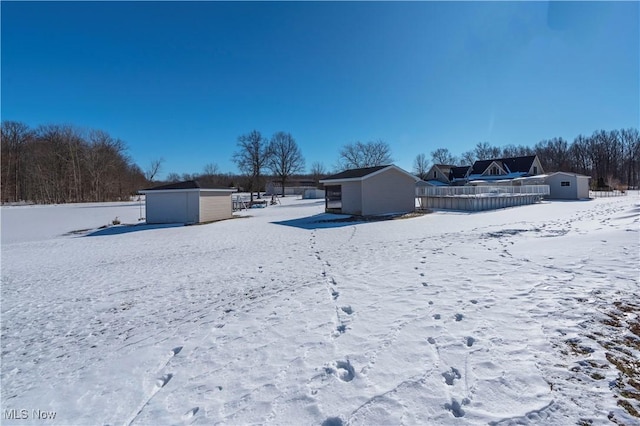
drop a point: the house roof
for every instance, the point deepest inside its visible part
(566, 174)
(188, 184)
(510, 165)
(458, 172)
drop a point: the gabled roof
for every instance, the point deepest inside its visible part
(355, 173)
(188, 184)
(458, 172)
(511, 164)
(363, 173)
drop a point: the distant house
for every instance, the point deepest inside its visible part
(187, 202)
(567, 186)
(370, 191)
(446, 174)
(505, 168)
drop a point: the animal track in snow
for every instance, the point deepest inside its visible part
(451, 375)
(459, 317)
(162, 381)
(334, 293)
(333, 421)
(470, 341)
(455, 408)
(436, 316)
(189, 414)
(347, 310)
(431, 340)
(344, 371)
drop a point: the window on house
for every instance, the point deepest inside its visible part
(535, 170)
(565, 183)
(435, 174)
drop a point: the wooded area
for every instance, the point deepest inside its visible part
(64, 164)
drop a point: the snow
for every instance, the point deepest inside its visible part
(282, 316)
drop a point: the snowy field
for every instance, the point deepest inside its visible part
(282, 317)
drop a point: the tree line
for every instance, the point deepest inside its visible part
(63, 164)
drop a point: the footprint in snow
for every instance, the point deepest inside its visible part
(470, 341)
(455, 408)
(175, 351)
(436, 316)
(451, 375)
(347, 310)
(343, 370)
(189, 414)
(459, 317)
(162, 381)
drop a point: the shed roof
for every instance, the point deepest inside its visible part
(355, 173)
(187, 184)
(363, 173)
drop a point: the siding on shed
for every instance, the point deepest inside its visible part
(172, 207)
(215, 206)
(389, 192)
(578, 186)
(352, 198)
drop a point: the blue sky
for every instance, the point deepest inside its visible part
(183, 80)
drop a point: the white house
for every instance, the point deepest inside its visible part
(567, 186)
(370, 191)
(187, 202)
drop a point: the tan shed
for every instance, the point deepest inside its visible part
(370, 191)
(187, 202)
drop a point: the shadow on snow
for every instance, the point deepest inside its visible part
(328, 220)
(125, 229)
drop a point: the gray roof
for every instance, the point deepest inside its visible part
(355, 173)
(188, 184)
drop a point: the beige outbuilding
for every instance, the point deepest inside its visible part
(187, 202)
(370, 191)
(567, 186)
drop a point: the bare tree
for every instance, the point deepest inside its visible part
(318, 171)
(13, 139)
(252, 157)
(468, 158)
(154, 168)
(421, 166)
(443, 156)
(285, 158)
(370, 154)
(173, 177)
(211, 169)
(484, 151)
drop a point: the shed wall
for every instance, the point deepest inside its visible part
(578, 187)
(388, 192)
(352, 198)
(173, 207)
(215, 206)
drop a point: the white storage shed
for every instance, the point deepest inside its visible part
(567, 186)
(187, 202)
(370, 191)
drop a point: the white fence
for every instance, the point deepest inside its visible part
(481, 191)
(475, 198)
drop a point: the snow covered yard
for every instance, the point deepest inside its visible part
(496, 317)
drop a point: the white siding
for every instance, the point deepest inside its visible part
(215, 206)
(352, 198)
(578, 186)
(389, 192)
(171, 207)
